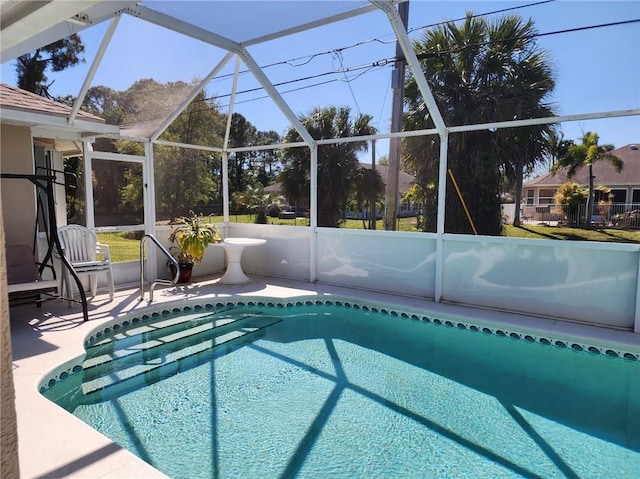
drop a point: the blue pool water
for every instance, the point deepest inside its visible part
(319, 389)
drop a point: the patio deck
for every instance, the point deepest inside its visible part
(53, 443)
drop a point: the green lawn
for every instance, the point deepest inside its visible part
(575, 234)
(120, 247)
(123, 248)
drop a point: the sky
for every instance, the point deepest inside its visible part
(347, 63)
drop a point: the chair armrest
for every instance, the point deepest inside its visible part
(103, 249)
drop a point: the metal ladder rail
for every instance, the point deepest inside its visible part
(171, 259)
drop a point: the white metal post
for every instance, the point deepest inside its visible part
(313, 215)
(442, 194)
(636, 325)
(225, 189)
(88, 185)
(149, 205)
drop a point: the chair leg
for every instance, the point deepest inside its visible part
(110, 283)
(66, 283)
(94, 285)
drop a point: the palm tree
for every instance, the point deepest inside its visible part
(480, 71)
(557, 146)
(255, 199)
(337, 163)
(585, 155)
(368, 187)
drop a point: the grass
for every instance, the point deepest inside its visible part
(120, 247)
(573, 234)
(404, 224)
(124, 249)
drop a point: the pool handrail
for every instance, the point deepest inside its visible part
(171, 259)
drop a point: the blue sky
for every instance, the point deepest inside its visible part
(596, 70)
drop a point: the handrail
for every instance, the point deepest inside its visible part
(171, 259)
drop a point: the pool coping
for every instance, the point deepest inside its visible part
(54, 443)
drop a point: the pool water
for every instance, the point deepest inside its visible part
(319, 390)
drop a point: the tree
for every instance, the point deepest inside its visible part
(420, 194)
(58, 56)
(585, 155)
(557, 146)
(106, 103)
(479, 72)
(243, 163)
(256, 200)
(368, 188)
(183, 176)
(241, 133)
(521, 150)
(569, 198)
(337, 162)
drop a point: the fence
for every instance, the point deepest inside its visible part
(615, 215)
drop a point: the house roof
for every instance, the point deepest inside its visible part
(49, 118)
(405, 180)
(604, 172)
(17, 99)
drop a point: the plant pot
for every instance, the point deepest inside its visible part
(185, 272)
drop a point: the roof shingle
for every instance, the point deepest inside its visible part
(22, 100)
(603, 170)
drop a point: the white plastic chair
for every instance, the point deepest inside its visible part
(86, 255)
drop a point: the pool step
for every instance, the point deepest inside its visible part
(147, 337)
(133, 334)
(165, 356)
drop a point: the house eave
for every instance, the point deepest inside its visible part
(57, 126)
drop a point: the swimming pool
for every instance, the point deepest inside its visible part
(337, 388)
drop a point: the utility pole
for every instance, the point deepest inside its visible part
(374, 214)
(397, 84)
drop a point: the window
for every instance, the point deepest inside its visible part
(118, 206)
(530, 197)
(619, 196)
(546, 197)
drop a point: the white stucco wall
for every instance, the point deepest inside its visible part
(18, 196)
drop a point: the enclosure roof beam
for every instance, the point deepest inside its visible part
(232, 101)
(201, 86)
(94, 67)
(412, 61)
(545, 120)
(179, 26)
(27, 26)
(188, 146)
(275, 95)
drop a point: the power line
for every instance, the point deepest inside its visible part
(524, 37)
(309, 58)
(389, 61)
(502, 10)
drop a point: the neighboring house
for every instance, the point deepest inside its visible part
(538, 193)
(37, 132)
(405, 181)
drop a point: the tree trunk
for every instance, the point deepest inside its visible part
(517, 193)
(590, 202)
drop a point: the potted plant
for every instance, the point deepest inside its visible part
(190, 235)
